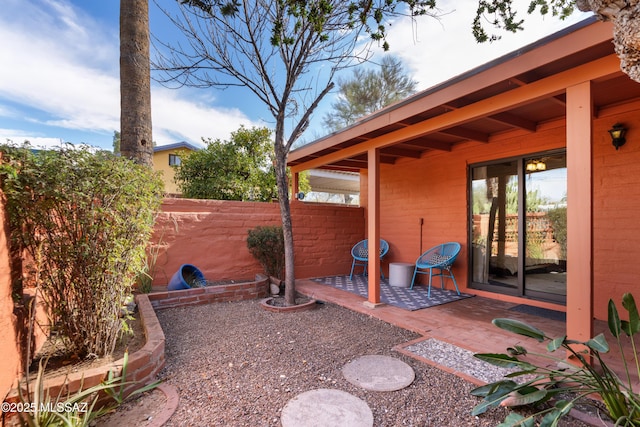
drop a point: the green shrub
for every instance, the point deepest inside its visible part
(590, 375)
(84, 218)
(266, 244)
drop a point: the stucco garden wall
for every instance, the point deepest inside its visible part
(212, 234)
(10, 360)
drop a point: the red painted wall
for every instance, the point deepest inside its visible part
(212, 234)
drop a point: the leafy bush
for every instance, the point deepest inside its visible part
(586, 378)
(84, 219)
(266, 244)
(238, 169)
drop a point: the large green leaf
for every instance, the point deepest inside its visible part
(520, 328)
(614, 320)
(556, 343)
(526, 396)
(598, 343)
(634, 319)
(503, 360)
(503, 387)
(513, 420)
(494, 394)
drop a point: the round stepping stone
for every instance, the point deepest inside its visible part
(379, 373)
(326, 407)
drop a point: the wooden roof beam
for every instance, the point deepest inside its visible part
(400, 152)
(463, 133)
(545, 88)
(515, 121)
(425, 143)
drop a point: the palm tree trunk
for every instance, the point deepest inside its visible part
(135, 82)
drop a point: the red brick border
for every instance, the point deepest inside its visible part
(144, 365)
(209, 294)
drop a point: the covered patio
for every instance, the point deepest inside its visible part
(465, 323)
(552, 102)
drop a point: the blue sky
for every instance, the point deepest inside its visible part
(59, 75)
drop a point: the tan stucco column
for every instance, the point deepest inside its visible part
(579, 212)
(373, 226)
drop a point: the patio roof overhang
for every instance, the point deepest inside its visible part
(573, 75)
(517, 92)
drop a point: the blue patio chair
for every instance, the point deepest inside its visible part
(440, 258)
(360, 254)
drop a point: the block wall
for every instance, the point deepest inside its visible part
(10, 360)
(616, 210)
(212, 235)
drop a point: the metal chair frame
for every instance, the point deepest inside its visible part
(440, 257)
(360, 254)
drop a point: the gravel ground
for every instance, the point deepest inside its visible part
(236, 364)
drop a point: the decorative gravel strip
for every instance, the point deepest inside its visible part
(457, 359)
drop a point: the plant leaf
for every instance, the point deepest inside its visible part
(503, 360)
(556, 343)
(551, 419)
(493, 388)
(598, 343)
(513, 420)
(520, 328)
(525, 396)
(614, 319)
(494, 394)
(517, 350)
(629, 304)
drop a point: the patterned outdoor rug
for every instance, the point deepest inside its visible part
(405, 298)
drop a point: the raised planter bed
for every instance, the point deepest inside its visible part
(210, 294)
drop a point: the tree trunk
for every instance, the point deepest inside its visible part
(135, 82)
(282, 181)
(626, 30)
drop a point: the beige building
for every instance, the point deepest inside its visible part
(166, 157)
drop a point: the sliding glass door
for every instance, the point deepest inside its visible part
(518, 226)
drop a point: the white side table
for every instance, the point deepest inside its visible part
(400, 274)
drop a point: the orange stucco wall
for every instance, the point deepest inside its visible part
(434, 189)
(10, 360)
(616, 211)
(212, 235)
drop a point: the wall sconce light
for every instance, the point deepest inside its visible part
(617, 132)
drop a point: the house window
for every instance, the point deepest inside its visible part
(174, 160)
(518, 210)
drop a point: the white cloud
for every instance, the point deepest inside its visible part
(18, 137)
(60, 68)
(438, 49)
(176, 119)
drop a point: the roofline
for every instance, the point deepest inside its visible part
(389, 110)
(176, 145)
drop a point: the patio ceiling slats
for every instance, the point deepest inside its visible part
(514, 103)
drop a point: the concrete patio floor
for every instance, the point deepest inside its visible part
(465, 323)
